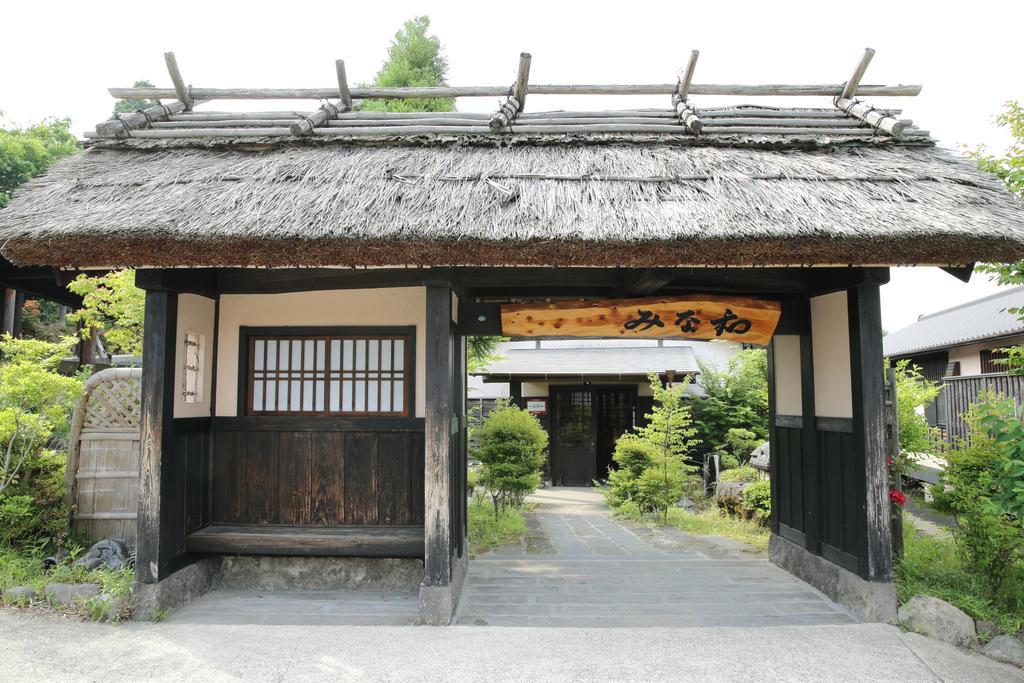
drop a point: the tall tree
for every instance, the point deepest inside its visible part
(129, 106)
(415, 59)
(26, 152)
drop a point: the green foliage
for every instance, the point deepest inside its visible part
(736, 398)
(652, 472)
(25, 568)
(711, 522)
(511, 450)
(414, 60)
(989, 541)
(130, 106)
(632, 456)
(757, 501)
(933, 566)
(1010, 166)
(35, 405)
(741, 442)
(487, 530)
(113, 305)
(40, 319)
(27, 152)
(480, 351)
(663, 483)
(913, 393)
(1005, 478)
(744, 474)
(728, 461)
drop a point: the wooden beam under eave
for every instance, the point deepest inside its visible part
(647, 281)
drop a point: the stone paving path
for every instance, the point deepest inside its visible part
(579, 567)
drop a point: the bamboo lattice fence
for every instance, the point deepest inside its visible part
(102, 479)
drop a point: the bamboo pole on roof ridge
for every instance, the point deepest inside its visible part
(343, 91)
(686, 114)
(850, 88)
(515, 102)
(847, 103)
(182, 91)
(730, 89)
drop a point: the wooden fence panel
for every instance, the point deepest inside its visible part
(961, 392)
(102, 478)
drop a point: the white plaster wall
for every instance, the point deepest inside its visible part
(969, 356)
(195, 314)
(373, 307)
(788, 388)
(830, 339)
(536, 389)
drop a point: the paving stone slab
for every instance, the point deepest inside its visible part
(603, 572)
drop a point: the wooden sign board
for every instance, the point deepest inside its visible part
(691, 317)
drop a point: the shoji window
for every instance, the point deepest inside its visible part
(328, 375)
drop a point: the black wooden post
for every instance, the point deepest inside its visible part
(157, 433)
(9, 303)
(869, 430)
(515, 393)
(437, 414)
(811, 480)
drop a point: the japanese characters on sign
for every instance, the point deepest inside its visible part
(696, 317)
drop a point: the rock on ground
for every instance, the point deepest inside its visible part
(1006, 649)
(70, 593)
(986, 628)
(19, 595)
(938, 619)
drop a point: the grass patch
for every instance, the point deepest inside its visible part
(932, 566)
(712, 522)
(487, 531)
(707, 522)
(25, 568)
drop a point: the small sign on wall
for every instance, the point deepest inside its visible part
(537, 406)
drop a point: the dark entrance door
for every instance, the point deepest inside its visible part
(616, 407)
(586, 423)
(572, 450)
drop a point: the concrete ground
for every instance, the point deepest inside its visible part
(44, 647)
(579, 567)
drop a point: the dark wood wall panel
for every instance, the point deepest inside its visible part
(318, 478)
(788, 448)
(842, 518)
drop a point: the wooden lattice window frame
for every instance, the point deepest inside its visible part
(989, 366)
(336, 371)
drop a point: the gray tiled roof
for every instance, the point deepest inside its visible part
(970, 322)
(605, 362)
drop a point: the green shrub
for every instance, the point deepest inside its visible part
(632, 456)
(736, 397)
(662, 484)
(652, 470)
(511, 450)
(486, 531)
(757, 501)
(989, 543)
(35, 407)
(629, 510)
(745, 474)
(728, 461)
(741, 442)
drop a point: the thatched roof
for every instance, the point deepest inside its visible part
(584, 198)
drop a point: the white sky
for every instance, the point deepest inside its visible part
(967, 56)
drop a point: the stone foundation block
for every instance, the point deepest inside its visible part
(867, 600)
